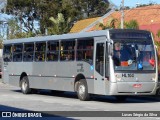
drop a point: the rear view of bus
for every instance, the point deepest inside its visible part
(134, 63)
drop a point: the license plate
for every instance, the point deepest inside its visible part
(137, 85)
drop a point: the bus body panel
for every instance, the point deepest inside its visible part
(114, 89)
(135, 87)
(51, 75)
(135, 77)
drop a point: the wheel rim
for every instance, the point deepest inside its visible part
(24, 85)
(81, 90)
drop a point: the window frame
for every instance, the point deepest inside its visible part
(47, 50)
(71, 52)
(17, 53)
(41, 54)
(11, 52)
(28, 43)
(85, 50)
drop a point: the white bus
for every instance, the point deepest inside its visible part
(109, 62)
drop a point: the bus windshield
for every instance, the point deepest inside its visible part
(134, 56)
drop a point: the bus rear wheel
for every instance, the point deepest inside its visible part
(25, 85)
(82, 90)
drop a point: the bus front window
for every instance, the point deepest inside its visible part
(129, 56)
(146, 57)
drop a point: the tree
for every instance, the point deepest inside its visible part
(15, 32)
(25, 12)
(111, 23)
(94, 8)
(158, 33)
(60, 25)
(29, 11)
(132, 24)
(1, 42)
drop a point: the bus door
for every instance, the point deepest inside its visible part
(99, 63)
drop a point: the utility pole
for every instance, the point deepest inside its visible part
(122, 14)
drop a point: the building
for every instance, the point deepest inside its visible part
(148, 18)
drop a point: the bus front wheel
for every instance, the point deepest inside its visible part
(25, 85)
(158, 92)
(82, 90)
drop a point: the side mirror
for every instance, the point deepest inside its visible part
(110, 49)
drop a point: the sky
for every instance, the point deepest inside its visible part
(132, 3)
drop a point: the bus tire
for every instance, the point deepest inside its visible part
(25, 85)
(158, 92)
(82, 90)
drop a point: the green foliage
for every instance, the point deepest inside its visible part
(14, 31)
(158, 33)
(133, 24)
(149, 4)
(27, 11)
(60, 26)
(111, 23)
(1, 42)
(21, 35)
(13, 26)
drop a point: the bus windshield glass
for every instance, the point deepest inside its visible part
(134, 55)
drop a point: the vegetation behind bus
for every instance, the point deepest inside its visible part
(27, 11)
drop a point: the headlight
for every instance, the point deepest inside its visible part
(118, 77)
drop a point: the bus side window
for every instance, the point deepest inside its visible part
(28, 52)
(7, 53)
(40, 51)
(67, 52)
(17, 52)
(85, 50)
(53, 51)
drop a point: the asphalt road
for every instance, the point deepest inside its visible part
(11, 99)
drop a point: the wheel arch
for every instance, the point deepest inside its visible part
(78, 78)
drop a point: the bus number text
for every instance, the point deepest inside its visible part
(128, 75)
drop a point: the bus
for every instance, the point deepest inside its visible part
(116, 62)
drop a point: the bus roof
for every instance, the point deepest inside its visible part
(72, 36)
(58, 37)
